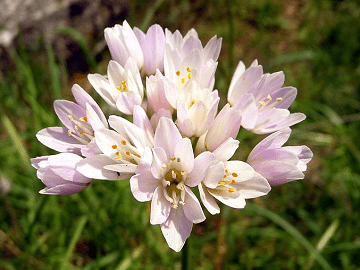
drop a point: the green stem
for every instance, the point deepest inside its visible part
(185, 256)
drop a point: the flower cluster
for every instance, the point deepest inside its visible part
(179, 139)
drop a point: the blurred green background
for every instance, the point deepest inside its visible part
(307, 224)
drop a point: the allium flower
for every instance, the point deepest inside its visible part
(230, 182)
(279, 164)
(122, 89)
(59, 174)
(123, 44)
(262, 100)
(153, 45)
(165, 179)
(80, 121)
(186, 60)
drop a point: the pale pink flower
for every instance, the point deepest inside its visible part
(187, 60)
(122, 89)
(164, 177)
(80, 120)
(123, 44)
(279, 164)
(59, 174)
(153, 45)
(230, 182)
(262, 100)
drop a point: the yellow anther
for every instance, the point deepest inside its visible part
(188, 69)
(226, 170)
(117, 153)
(114, 146)
(189, 76)
(234, 174)
(83, 119)
(123, 142)
(269, 97)
(172, 159)
(69, 132)
(164, 166)
(118, 87)
(233, 182)
(192, 102)
(262, 103)
(222, 183)
(182, 80)
(178, 160)
(76, 127)
(70, 117)
(127, 153)
(279, 99)
(182, 173)
(177, 72)
(118, 157)
(231, 190)
(82, 132)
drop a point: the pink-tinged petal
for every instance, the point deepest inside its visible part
(122, 168)
(64, 165)
(214, 175)
(107, 140)
(272, 141)
(184, 151)
(240, 69)
(126, 101)
(212, 48)
(132, 44)
(201, 166)
(35, 162)
(159, 159)
(184, 123)
(91, 149)
(226, 125)
(268, 84)
(57, 138)
(123, 126)
(192, 207)
(160, 207)
(66, 109)
(284, 97)
(249, 111)
(155, 118)
(303, 153)
(93, 167)
(243, 170)
(103, 88)
(83, 98)
(292, 119)
(275, 154)
(143, 185)
(65, 189)
(270, 118)
(208, 200)
(255, 187)
(247, 79)
(141, 120)
(167, 136)
(226, 150)
(115, 45)
(176, 229)
(278, 172)
(93, 118)
(233, 199)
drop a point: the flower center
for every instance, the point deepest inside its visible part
(263, 104)
(228, 181)
(183, 79)
(126, 153)
(83, 131)
(123, 87)
(174, 187)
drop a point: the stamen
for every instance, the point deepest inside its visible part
(182, 80)
(173, 174)
(188, 69)
(178, 160)
(182, 173)
(233, 182)
(127, 153)
(118, 157)
(114, 146)
(234, 174)
(163, 165)
(177, 73)
(222, 183)
(172, 159)
(269, 97)
(262, 103)
(279, 99)
(189, 76)
(231, 190)
(83, 119)
(70, 117)
(82, 132)
(226, 170)
(123, 142)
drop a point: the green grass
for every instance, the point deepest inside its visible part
(307, 224)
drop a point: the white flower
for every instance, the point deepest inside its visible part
(122, 89)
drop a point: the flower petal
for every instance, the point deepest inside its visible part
(160, 207)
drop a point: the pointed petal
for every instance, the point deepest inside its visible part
(208, 200)
(160, 207)
(192, 207)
